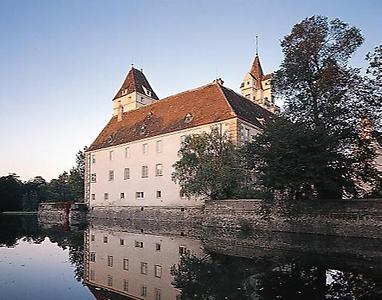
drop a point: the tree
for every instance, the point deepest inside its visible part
(303, 163)
(10, 193)
(209, 166)
(35, 191)
(76, 176)
(326, 98)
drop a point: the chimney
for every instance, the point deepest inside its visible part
(218, 81)
(120, 113)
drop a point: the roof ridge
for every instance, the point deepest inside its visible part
(225, 98)
(169, 97)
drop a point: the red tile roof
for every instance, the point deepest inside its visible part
(257, 70)
(205, 105)
(135, 81)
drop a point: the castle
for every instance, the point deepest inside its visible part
(130, 162)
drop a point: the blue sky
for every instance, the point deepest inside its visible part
(62, 61)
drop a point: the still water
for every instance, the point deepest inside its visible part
(135, 261)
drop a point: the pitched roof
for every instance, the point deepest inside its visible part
(135, 81)
(256, 70)
(205, 105)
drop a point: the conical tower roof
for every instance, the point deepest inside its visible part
(136, 81)
(257, 70)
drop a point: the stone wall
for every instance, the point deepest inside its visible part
(53, 213)
(355, 218)
(349, 218)
(150, 214)
(62, 212)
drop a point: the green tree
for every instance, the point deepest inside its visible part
(76, 176)
(324, 102)
(11, 192)
(293, 158)
(209, 166)
(35, 191)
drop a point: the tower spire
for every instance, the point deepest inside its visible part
(257, 45)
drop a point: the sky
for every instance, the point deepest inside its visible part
(62, 61)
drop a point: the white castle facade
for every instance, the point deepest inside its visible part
(130, 162)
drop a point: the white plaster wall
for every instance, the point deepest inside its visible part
(167, 256)
(167, 157)
(131, 101)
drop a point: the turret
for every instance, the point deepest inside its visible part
(257, 87)
(134, 93)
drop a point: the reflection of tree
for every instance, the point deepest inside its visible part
(14, 228)
(347, 285)
(223, 277)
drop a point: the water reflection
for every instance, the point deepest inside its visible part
(135, 264)
(154, 262)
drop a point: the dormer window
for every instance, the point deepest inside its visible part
(188, 118)
(143, 129)
(261, 120)
(147, 91)
(111, 138)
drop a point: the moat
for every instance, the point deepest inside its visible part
(142, 261)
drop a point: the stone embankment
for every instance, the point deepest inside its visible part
(349, 218)
(62, 212)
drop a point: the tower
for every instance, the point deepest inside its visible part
(257, 87)
(134, 93)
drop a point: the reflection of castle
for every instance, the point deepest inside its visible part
(134, 265)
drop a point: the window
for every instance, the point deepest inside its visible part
(127, 152)
(126, 174)
(94, 177)
(158, 271)
(159, 146)
(145, 171)
(105, 239)
(125, 285)
(109, 280)
(92, 275)
(92, 238)
(158, 170)
(92, 256)
(139, 195)
(125, 264)
(111, 175)
(145, 148)
(110, 261)
(111, 154)
(159, 194)
(106, 196)
(246, 134)
(157, 294)
(121, 242)
(143, 291)
(93, 158)
(188, 118)
(93, 196)
(122, 196)
(182, 250)
(138, 244)
(143, 268)
(157, 247)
